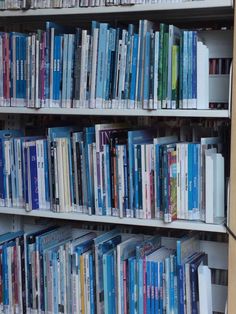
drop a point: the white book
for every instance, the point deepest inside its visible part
(209, 185)
(40, 175)
(219, 186)
(202, 76)
(143, 211)
(205, 292)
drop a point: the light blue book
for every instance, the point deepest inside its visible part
(132, 284)
(133, 72)
(70, 68)
(146, 70)
(140, 276)
(148, 287)
(161, 292)
(89, 138)
(194, 69)
(128, 60)
(190, 69)
(64, 69)
(106, 280)
(102, 42)
(185, 70)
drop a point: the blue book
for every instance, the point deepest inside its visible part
(111, 47)
(153, 282)
(132, 284)
(116, 65)
(140, 276)
(92, 283)
(194, 264)
(70, 66)
(64, 69)
(185, 69)
(43, 242)
(172, 283)
(126, 190)
(161, 301)
(136, 137)
(194, 69)
(89, 134)
(2, 185)
(106, 280)
(128, 60)
(148, 287)
(102, 42)
(34, 177)
(103, 244)
(133, 71)
(156, 287)
(190, 70)
(146, 71)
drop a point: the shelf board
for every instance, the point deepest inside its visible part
(118, 112)
(208, 5)
(179, 224)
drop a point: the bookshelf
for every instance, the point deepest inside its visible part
(196, 10)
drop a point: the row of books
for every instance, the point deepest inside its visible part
(41, 4)
(219, 66)
(64, 270)
(111, 169)
(146, 67)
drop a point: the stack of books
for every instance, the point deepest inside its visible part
(110, 169)
(145, 67)
(65, 270)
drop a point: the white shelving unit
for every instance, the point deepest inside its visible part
(195, 10)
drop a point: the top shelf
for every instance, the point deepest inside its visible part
(213, 8)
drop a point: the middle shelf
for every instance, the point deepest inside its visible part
(179, 224)
(119, 112)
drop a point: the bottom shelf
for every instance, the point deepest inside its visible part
(179, 224)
